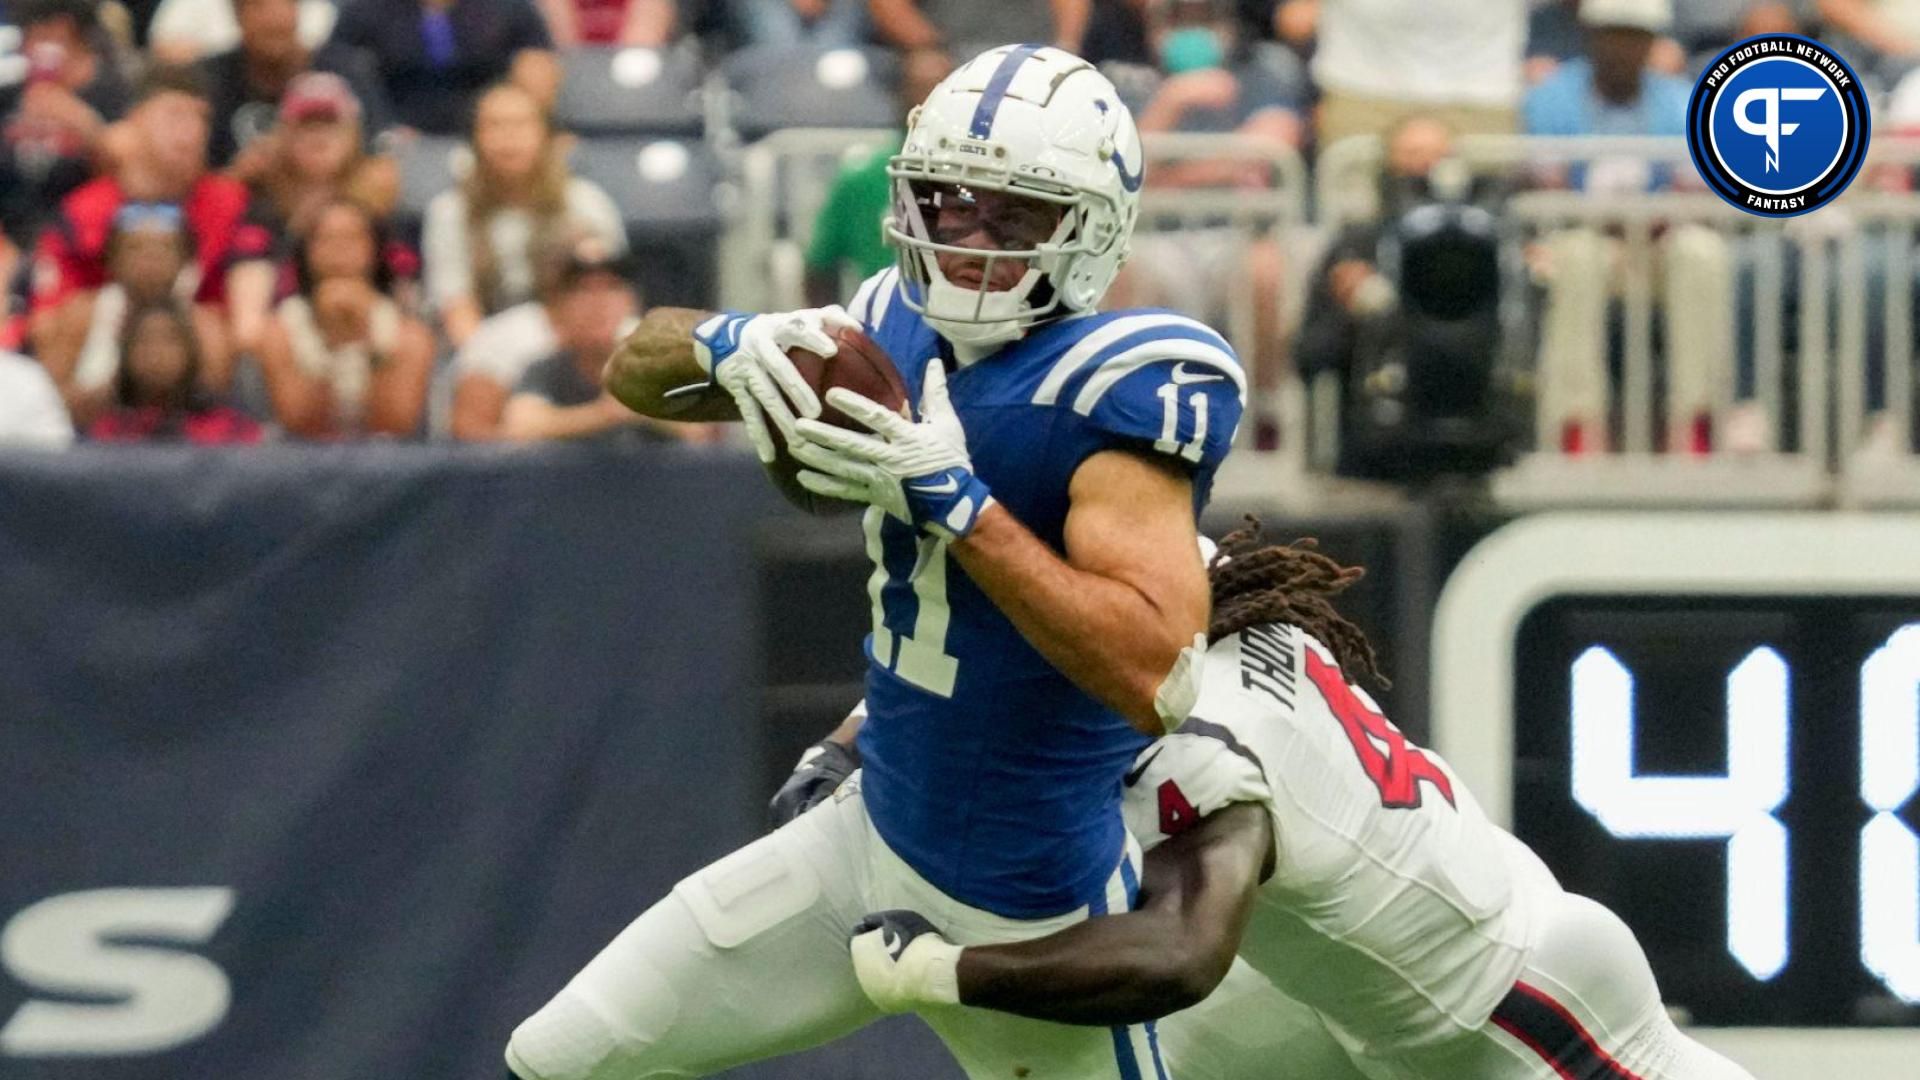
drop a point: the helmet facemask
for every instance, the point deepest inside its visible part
(1038, 231)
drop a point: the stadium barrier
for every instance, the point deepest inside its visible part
(339, 762)
(371, 747)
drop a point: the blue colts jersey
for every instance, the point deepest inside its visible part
(986, 769)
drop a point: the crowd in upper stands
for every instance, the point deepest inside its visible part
(217, 224)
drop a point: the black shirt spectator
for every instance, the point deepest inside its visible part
(245, 84)
(52, 119)
(560, 381)
(436, 56)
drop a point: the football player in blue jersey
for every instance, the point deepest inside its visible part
(1032, 531)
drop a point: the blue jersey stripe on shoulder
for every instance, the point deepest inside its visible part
(1139, 340)
(996, 90)
(1182, 352)
(1119, 330)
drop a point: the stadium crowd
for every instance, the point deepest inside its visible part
(212, 230)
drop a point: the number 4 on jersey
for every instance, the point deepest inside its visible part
(1395, 765)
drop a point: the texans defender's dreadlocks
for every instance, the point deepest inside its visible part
(1257, 582)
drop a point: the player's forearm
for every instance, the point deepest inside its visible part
(1113, 640)
(657, 358)
(1112, 971)
(1123, 969)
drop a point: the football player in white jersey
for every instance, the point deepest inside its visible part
(1293, 823)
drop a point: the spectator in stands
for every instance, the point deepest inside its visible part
(438, 56)
(848, 243)
(1340, 293)
(1349, 301)
(314, 155)
(1704, 27)
(163, 161)
(341, 358)
(1555, 35)
(490, 365)
(158, 394)
(247, 84)
(561, 397)
(785, 22)
(1207, 85)
(1879, 36)
(480, 238)
(150, 264)
(53, 123)
(967, 27)
(1612, 90)
(1378, 62)
(31, 413)
(645, 23)
(187, 31)
(13, 319)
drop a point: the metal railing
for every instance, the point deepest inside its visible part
(1825, 324)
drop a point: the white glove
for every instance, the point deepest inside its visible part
(918, 472)
(746, 355)
(903, 963)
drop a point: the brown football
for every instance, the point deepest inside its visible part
(860, 365)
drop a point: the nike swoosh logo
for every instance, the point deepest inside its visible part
(1133, 777)
(1181, 376)
(945, 487)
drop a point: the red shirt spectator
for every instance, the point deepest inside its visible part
(160, 156)
(157, 389)
(609, 22)
(217, 425)
(72, 255)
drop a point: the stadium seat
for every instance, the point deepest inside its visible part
(665, 189)
(619, 91)
(429, 165)
(779, 86)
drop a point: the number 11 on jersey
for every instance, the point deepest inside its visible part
(918, 657)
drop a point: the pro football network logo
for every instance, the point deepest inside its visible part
(1778, 125)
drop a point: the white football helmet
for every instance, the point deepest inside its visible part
(1037, 125)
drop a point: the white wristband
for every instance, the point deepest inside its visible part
(932, 970)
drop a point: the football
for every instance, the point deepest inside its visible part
(860, 365)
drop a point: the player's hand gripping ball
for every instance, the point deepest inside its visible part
(903, 963)
(855, 363)
(918, 471)
(746, 355)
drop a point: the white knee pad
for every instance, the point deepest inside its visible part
(570, 1039)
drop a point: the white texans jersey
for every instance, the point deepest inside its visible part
(1395, 909)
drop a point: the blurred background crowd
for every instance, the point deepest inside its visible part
(226, 221)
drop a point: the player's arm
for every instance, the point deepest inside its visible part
(657, 358)
(740, 358)
(1113, 614)
(1198, 891)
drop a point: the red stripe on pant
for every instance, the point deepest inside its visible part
(1549, 1029)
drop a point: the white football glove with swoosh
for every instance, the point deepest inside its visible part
(918, 472)
(746, 355)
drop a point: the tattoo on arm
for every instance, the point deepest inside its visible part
(657, 358)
